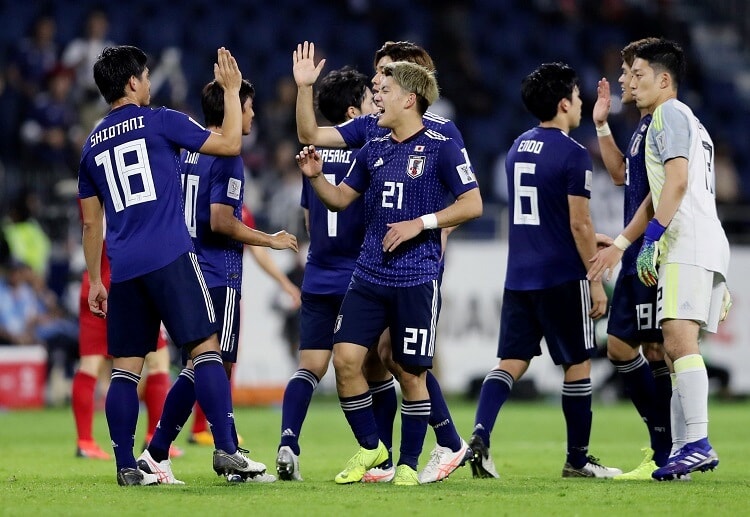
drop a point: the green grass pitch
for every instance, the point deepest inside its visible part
(39, 474)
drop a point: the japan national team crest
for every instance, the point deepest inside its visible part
(415, 167)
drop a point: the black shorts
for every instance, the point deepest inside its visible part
(632, 314)
(411, 313)
(558, 314)
(175, 294)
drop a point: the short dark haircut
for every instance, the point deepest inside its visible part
(404, 51)
(628, 51)
(114, 67)
(340, 89)
(212, 101)
(664, 55)
(544, 88)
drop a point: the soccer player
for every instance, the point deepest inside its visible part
(451, 451)
(685, 239)
(335, 242)
(200, 432)
(546, 292)
(130, 171)
(632, 323)
(405, 177)
(213, 188)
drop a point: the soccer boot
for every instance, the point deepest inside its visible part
(481, 462)
(443, 461)
(237, 463)
(287, 465)
(405, 476)
(258, 478)
(643, 471)
(90, 449)
(698, 455)
(360, 463)
(162, 469)
(592, 469)
(132, 477)
(383, 473)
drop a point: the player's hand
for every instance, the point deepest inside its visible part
(303, 64)
(295, 295)
(283, 240)
(603, 102)
(226, 71)
(401, 232)
(646, 263)
(98, 299)
(603, 263)
(648, 256)
(310, 162)
(603, 240)
(598, 300)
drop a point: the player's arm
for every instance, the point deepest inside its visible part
(468, 206)
(334, 197)
(585, 239)
(306, 214)
(612, 157)
(224, 222)
(229, 142)
(265, 261)
(675, 186)
(305, 74)
(92, 213)
(605, 260)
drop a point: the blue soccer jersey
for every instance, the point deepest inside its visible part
(544, 166)
(636, 188)
(335, 237)
(402, 181)
(357, 131)
(207, 180)
(131, 162)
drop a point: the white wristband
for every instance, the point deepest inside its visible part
(621, 242)
(603, 130)
(429, 221)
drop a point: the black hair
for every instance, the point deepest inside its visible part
(339, 90)
(114, 67)
(665, 55)
(544, 88)
(212, 101)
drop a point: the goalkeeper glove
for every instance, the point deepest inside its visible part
(646, 262)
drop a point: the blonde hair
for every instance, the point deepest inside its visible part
(415, 79)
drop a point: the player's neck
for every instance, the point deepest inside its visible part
(123, 101)
(406, 129)
(556, 123)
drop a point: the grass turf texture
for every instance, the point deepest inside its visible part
(39, 474)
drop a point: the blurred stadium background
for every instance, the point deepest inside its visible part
(482, 49)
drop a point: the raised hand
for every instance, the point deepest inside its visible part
(303, 64)
(603, 102)
(226, 71)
